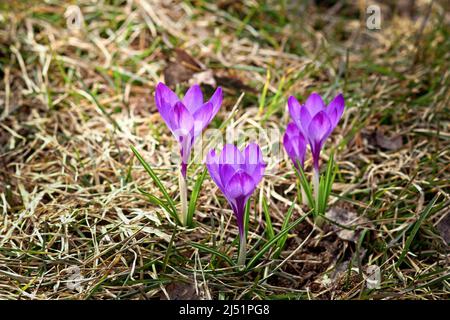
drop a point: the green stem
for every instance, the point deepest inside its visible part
(304, 197)
(183, 199)
(316, 182)
(242, 251)
(318, 219)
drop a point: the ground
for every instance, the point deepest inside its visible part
(76, 92)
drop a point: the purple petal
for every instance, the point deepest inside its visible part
(193, 99)
(164, 93)
(165, 100)
(319, 128)
(165, 110)
(318, 131)
(314, 104)
(294, 109)
(181, 121)
(212, 163)
(226, 172)
(299, 114)
(231, 155)
(335, 109)
(216, 101)
(295, 144)
(254, 162)
(202, 117)
(240, 185)
(305, 120)
(252, 154)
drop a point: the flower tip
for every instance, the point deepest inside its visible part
(160, 85)
(292, 100)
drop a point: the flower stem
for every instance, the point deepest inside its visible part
(242, 251)
(318, 219)
(304, 197)
(183, 198)
(316, 183)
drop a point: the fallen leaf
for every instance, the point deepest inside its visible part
(188, 61)
(233, 83)
(345, 218)
(444, 228)
(180, 291)
(388, 143)
(181, 69)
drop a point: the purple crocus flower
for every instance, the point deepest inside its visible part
(237, 174)
(316, 121)
(188, 117)
(295, 144)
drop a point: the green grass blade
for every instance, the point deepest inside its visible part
(158, 183)
(194, 197)
(247, 217)
(283, 239)
(262, 100)
(416, 227)
(305, 185)
(212, 251)
(269, 227)
(100, 107)
(270, 243)
(158, 202)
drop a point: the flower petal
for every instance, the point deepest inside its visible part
(314, 104)
(231, 155)
(294, 109)
(319, 128)
(240, 185)
(202, 117)
(212, 163)
(165, 100)
(226, 171)
(335, 109)
(216, 100)
(305, 120)
(295, 144)
(193, 99)
(163, 92)
(254, 162)
(181, 121)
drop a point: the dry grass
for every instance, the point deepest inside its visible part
(73, 101)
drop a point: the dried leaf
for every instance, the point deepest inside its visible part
(388, 143)
(180, 291)
(444, 228)
(188, 61)
(176, 73)
(233, 83)
(345, 218)
(182, 69)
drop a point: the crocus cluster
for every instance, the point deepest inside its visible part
(237, 174)
(312, 123)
